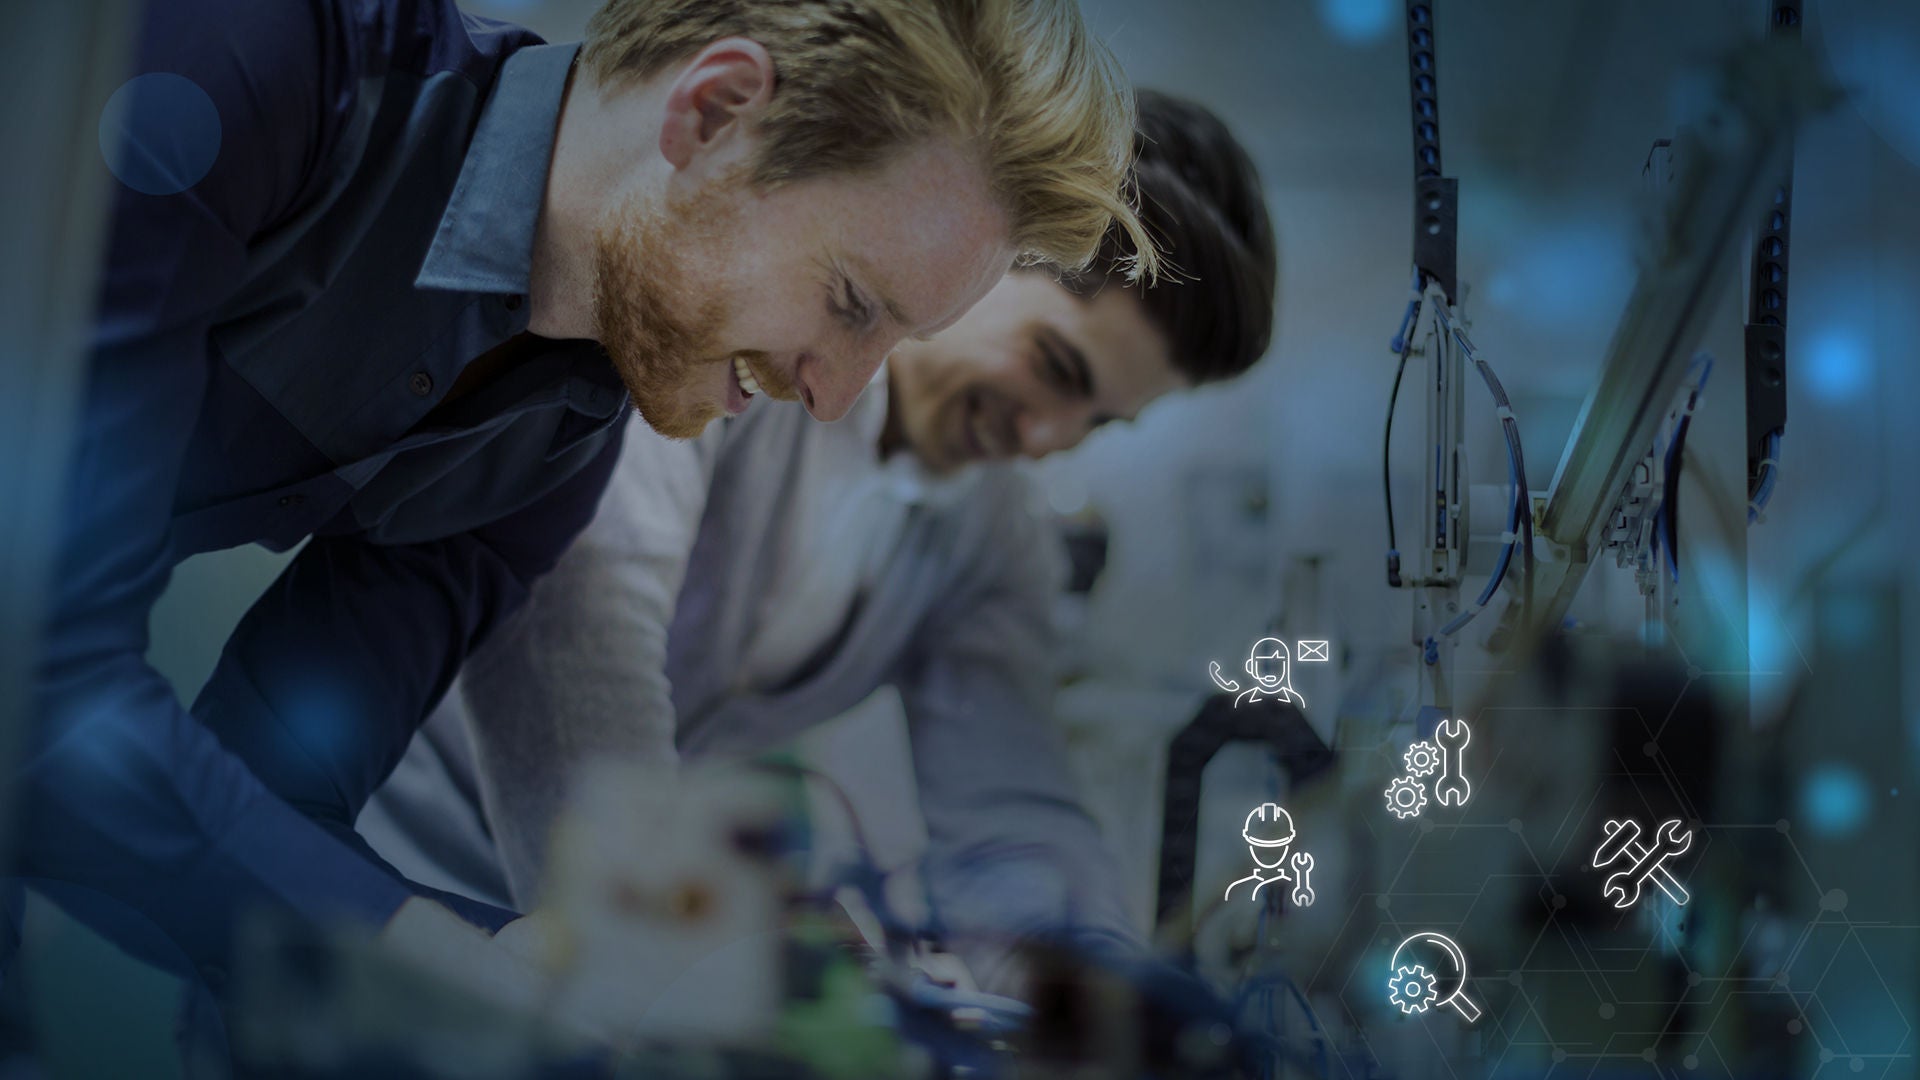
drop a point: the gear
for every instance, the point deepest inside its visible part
(1406, 797)
(1423, 759)
(1411, 988)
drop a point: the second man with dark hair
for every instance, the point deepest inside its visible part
(735, 591)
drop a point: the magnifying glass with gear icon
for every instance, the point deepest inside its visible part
(1427, 970)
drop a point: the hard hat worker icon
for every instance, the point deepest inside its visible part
(1268, 833)
(1272, 675)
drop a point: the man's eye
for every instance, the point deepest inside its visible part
(1055, 372)
(850, 308)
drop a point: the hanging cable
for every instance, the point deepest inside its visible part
(1669, 512)
(1519, 515)
(1403, 345)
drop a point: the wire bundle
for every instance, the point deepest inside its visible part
(1519, 515)
(1519, 531)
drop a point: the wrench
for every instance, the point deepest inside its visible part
(1623, 886)
(1623, 842)
(1451, 788)
(1302, 891)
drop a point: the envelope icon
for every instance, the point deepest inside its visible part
(1310, 651)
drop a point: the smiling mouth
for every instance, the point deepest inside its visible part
(741, 388)
(741, 372)
(972, 446)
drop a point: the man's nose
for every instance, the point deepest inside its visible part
(829, 388)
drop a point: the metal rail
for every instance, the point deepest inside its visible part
(1730, 170)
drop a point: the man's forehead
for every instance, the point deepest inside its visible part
(1131, 359)
(909, 292)
(927, 235)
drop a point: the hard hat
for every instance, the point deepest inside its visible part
(1268, 826)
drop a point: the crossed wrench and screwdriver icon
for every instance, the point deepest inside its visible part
(1641, 862)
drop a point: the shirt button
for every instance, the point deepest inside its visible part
(292, 500)
(421, 384)
(513, 303)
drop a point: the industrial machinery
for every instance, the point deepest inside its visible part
(1573, 727)
(773, 976)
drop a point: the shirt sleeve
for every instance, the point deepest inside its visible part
(1011, 851)
(124, 795)
(579, 675)
(333, 669)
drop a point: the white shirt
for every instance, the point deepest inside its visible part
(852, 508)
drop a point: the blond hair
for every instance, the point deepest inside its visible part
(1019, 81)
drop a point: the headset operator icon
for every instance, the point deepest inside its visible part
(1268, 663)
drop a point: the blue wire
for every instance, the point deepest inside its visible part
(1670, 458)
(1264, 985)
(1402, 344)
(1500, 567)
(1412, 315)
(1510, 428)
(1769, 473)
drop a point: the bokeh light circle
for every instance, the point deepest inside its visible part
(160, 133)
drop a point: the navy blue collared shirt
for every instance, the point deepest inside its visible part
(271, 361)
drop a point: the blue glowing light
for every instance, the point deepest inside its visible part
(160, 133)
(1770, 644)
(1357, 22)
(1838, 367)
(1833, 800)
(1561, 272)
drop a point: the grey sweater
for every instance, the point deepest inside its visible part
(652, 639)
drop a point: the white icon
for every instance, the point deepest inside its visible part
(1640, 863)
(1311, 651)
(1267, 662)
(1268, 833)
(1452, 788)
(1407, 795)
(1415, 987)
(1422, 759)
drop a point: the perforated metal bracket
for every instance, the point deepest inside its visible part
(1436, 198)
(1767, 293)
(1436, 222)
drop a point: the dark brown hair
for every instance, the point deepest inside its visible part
(1201, 201)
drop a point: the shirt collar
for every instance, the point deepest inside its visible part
(485, 240)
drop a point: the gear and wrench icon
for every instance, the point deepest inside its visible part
(1422, 758)
(1411, 988)
(1433, 770)
(1406, 797)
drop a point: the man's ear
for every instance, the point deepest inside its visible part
(714, 99)
(1249, 665)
